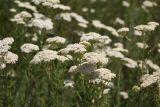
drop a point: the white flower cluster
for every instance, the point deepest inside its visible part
(49, 2)
(119, 47)
(41, 22)
(11, 58)
(93, 37)
(55, 4)
(26, 5)
(148, 3)
(47, 56)
(104, 74)
(130, 63)
(61, 6)
(28, 48)
(74, 49)
(122, 30)
(5, 45)
(98, 24)
(152, 65)
(114, 52)
(149, 27)
(149, 79)
(22, 17)
(137, 33)
(7, 57)
(56, 40)
(95, 58)
(101, 75)
(68, 17)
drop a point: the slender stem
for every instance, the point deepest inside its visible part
(118, 87)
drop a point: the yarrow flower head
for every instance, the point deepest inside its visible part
(47, 56)
(149, 79)
(21, 18)
(56, 40)
(95, 58)
(11, 58)
(26, 5)
(49, 2)
(3, 48)
(116, 53)
(98, 24)
(122, 30)
(149, 27)
(44, 56)
(74, 49)
(68, 17)
(130, 63)
(93, 37)
(28, 48)
(5, 44)
(41, 22)
(104, 74)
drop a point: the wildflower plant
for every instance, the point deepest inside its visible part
(78, 53)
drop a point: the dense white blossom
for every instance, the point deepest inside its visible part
(68, 17)
(149, 27)
(130, 63)
(26, 5)
(149, 79)
(104, 74)
(5, 44)
(56, 40)
(44, 56)
(74, 48)
(11, 58)
(21, 18)
(41, 22)
(28, 47)
(48, 56)
(99, 24)
(113, 53)
(93, 37)
(95, 58)
(49, 2)
(152, 65)
(148, 3)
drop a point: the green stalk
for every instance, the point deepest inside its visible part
(118, 87)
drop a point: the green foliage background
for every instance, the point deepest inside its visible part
(25, 91)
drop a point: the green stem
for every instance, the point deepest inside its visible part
(118, 87)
